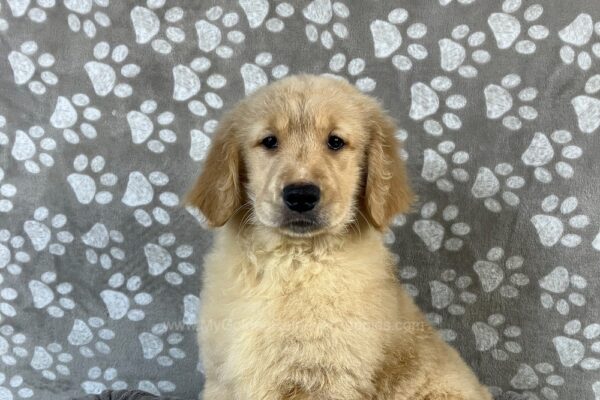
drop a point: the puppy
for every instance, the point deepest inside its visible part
(300, 297)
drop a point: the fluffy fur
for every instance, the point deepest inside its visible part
(318, 314)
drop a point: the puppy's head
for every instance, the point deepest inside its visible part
(305, 155)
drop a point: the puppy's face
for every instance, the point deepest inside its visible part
(305, 156)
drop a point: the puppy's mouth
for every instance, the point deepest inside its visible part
(300, 226)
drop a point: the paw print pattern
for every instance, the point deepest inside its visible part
(100, 239)
(387, 39)
(83, 334)
(13, 388)
(7, 295)
(443, 296)
(159, 388)
(77, 20)
(142, 127)
(487, 185)
(140, 193)
(100, 381)
(35, 13)
(527, 379)
(254, 75)
(147, 25)
(541, 153)
(24, 68)
(354, 69)
(406, 274)
(210, 36)
(571, 349)
(160, 259)
(454, 56)
(425, 102)
(578, 34)
(7, 191)
(66, 115)
(50, 295)
(105, 80)
(488, 338)
(507, 28)
(435, 167)
(84, 185)
(461, 2)
(586, 107)
(492, 275)
(499, 101)
(558, 283)
(44, 232)
(11, 253)
(11, 343)
(551, 229)
(33, 149)
(258, 11)
(432, 232)
(322, 13)
(44, 360)
(117, 299)
(153, 345)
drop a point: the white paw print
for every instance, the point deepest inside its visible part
(3, 22)
(488, 338)
(435, 167)
(257, 12)
(117, 299)
(443, 295)
(541, 153)
(406, 274)
(578, 34)
(154, 347)
(551, 229)
(321, 13)
(100, 239)
(48, 294)
(147, 25)
(102, 75)
(499, 101)
(43, 360)
(11, 343)
(461, 2)
(210, 36)
(558, 283)
(140, 193)
(254, 75)
(159, 388)
(83, 334)
(35, 13)
(432, 232)
(587, 108)
(487, 185)
(66, 115)
(7, 191)
(455, 57)
(24, 68)
(526, 379)
(187, 85)
(160, 258)
(26, 146)
(11, 253)
(14, 385)
(354, 68)
(3, 136)
(43, 236)
(142, 127)
(83, 182)
(7, 295)
(425, 102)
(100, 381)
(507, 28)
(491, 274)
(81, 9)
(571, 348)
(387, 39)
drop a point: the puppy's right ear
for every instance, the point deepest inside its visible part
(217, 192)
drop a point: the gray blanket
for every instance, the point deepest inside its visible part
(106, 112)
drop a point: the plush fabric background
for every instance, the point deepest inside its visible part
(106, 112)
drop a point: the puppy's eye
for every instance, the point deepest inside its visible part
(270, 142)
(335, 142)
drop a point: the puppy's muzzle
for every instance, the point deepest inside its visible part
(301, 197)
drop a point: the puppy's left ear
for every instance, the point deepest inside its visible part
(387, 188)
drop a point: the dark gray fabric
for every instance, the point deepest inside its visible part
(107, 109)
(124, 395)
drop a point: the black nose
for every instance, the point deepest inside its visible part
(301, 197)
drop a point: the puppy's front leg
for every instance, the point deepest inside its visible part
(215, 391)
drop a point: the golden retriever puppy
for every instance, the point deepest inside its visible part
(300, 299)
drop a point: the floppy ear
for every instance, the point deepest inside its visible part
(217, 191)
(387, 189)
